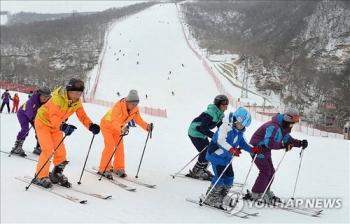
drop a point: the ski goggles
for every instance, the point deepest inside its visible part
(294, 118)
(77, 86)
(224, 102)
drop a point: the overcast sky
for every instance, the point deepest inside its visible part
(49, 6)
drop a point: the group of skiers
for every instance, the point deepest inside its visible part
(6, 97)
(48, 116)
(227, 142)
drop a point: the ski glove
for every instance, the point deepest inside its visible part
(150, 127)
(125, 130)
(304, 143)
(287, 146)
(256, 150)
(235, 151)
(67, 128)
(94, 128)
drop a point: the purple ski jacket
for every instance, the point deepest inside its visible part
(271, 135)
(6, 97)
(30, 108)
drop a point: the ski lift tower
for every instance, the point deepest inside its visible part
(244, 92)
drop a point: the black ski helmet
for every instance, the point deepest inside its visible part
(44, 91)
(218, 100)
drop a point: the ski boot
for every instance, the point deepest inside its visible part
(214, 199)
(120, 173)
(43, 182)
(17, 149)
(57, 176)
(106, 174)
(37, 149)
(272, 196)
(200, 171)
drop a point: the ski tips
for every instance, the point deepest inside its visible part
(83, 202)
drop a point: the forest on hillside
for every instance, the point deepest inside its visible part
(306, 43)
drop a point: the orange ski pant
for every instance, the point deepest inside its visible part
(111, 140)
(49, 139)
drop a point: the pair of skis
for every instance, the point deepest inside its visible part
(290, 208)
(120, 184)
(28, 179)
(227, 210)
(16, 155)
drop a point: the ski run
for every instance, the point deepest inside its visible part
(131, 180)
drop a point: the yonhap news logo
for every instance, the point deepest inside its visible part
(312, 203)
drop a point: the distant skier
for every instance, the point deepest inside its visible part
(173, 93)
(6, 97)
(15, 103)
(146, 96)
(169, 72)
(120, 50)
(137, 63)
(183, 65)
(200, 130)
(118, 94)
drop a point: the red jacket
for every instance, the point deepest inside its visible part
(16, 100)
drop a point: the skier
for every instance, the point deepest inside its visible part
(169, 72)
(118, 94)
(26, 115)
(6, 97)
(172, 93)
(274, 134)
(15, 103)
(146, 96)
(137, 63)
(113, 127)
(223, 146)
(50, 122)
(199, 131)
(183, 65)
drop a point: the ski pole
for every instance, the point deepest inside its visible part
(86, 159)
(115, 149)
(149, 134)
(212, 187)
(48, 159)
(273, 176)
(296, 181)
(24, 135)
(189, 162)
(246, 178)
